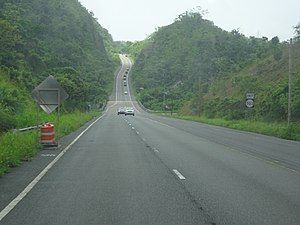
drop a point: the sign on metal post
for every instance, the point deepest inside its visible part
(250, 95)
(250, 100)
(49, 95)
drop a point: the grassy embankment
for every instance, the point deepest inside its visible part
(279, 129)
(16, 147)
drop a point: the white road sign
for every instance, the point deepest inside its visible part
(250, 103)
(49, 94)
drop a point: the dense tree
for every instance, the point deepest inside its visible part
(192, 63)
(40, 37)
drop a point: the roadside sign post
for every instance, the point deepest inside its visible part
(250, 100)
(49, 95)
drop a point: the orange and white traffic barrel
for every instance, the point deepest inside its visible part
(48, 134)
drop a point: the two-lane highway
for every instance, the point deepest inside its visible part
(146, 169)
(232, 185)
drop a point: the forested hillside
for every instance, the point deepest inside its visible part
(39, 38)
(197, 68)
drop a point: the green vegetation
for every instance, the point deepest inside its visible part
(40, 38)
(71, 122)
(133, 48)
(198, 69)
(62, 39)
(276, 129)
(191, 67)
(16, 147)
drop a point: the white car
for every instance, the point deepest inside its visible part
(125, 92)
(129, 111)
(121, 110)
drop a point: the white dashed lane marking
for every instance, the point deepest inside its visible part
(178, 174)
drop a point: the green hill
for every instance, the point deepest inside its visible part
(39, 38)
(197, 68)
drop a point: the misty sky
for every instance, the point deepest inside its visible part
(132, 20)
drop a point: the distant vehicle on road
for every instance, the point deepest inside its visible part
(129, 111)
(121, 110)
(125, 92)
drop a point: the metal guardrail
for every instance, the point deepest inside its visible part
(23, 129)
(27, 128)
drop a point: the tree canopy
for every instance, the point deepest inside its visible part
(39, 38)
(194, 63)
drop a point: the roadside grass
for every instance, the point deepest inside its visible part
(71, 122)
(278, 129)
(16, 147)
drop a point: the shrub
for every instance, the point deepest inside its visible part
(6, 121)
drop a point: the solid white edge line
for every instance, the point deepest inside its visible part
(179, 175)
(19, 198)
(14, 202)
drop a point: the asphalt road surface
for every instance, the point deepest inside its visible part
(146, 169)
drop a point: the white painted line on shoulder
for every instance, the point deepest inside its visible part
(19, 198)
(155, 150)
(48, 155)
(161, 123)
(179, 175)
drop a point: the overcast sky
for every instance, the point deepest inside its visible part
(131, 20)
